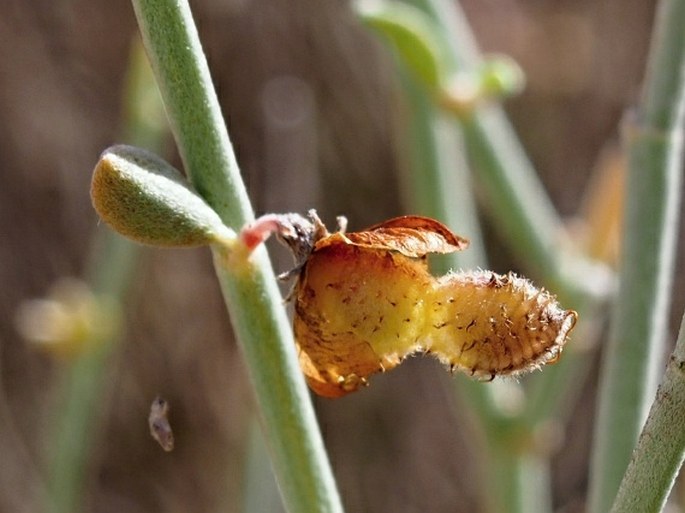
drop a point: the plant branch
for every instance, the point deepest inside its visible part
(661, 447)
(631, 362)
(249, 287)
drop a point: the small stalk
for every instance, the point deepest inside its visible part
(440, 179)
(525, 483)
(249, 287)
(518, 200)
(632, 359)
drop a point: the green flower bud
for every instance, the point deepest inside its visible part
(144, 198)
(496, 78)
(501, 76)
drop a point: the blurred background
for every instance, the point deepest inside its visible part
(315, 111)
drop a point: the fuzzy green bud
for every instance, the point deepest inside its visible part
(144, 198)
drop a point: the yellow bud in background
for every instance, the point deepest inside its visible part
(69, 321)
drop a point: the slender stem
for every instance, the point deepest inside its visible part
(525, 482)
(250, 290)
(519, 202)
(661, 447)
(75, 430)
(177, 59)
(631, 363)
(522, 209)
(440, 185)
(519, 477)
(81, 395)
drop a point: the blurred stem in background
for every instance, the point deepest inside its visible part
(252, 296)
(111, 268)
(632, 362)
(517, 464)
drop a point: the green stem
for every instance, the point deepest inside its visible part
(250, 290)
(519, 473)
(440, 181)
(440, 185)
(81, 393)
(631, 362)
(75, 430)
(661, 447)
(525, 483)
(523, 211)
(518, 201)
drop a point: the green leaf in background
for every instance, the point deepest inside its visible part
(415, 39)
(411, 33)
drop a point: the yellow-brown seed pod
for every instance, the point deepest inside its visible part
(366, 300)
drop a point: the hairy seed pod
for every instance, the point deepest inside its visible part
(366, 300)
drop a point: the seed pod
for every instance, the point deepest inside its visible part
(490, 325)
(365, 301)
(145, 199)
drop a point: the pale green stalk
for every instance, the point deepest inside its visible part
(250, 290)
(523, 480)
(632, 359)
(661, 447)
(439, 183)
(74, 430)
